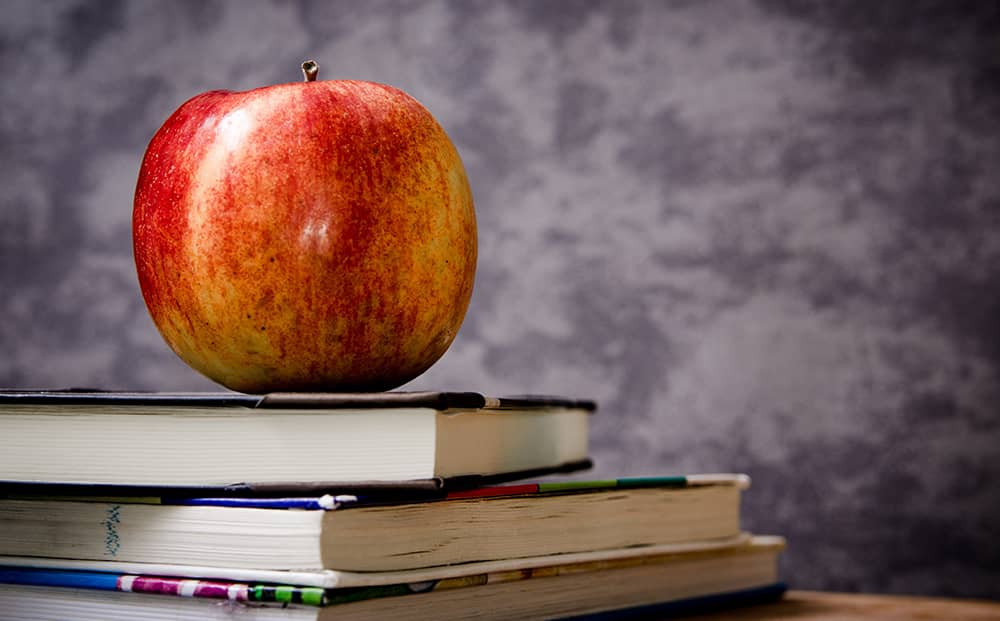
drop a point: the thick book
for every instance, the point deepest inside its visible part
(243, 444)
(599, 584)
(350, 532)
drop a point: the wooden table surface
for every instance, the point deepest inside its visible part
(815, 606)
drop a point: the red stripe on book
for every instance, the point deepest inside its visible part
(489, 492)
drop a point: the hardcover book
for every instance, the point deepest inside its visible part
(239, 444)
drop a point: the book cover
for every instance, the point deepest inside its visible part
(437, 400)
(27, 603)
(354, 495)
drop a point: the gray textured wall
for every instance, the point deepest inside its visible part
(764, 235)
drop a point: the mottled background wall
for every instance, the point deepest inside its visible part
(764, 235)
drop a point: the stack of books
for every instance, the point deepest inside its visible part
(319, 506)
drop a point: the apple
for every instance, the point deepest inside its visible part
(309, 236)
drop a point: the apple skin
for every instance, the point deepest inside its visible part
(310, 236)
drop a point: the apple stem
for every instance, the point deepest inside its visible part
(310, 69)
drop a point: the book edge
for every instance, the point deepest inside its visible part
(437, 400)
(407, 489)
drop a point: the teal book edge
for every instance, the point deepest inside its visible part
(569, 487)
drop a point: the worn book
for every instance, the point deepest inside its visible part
(377, 533)
(644, 580)
(239, 444)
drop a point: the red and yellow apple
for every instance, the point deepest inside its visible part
(317, 235)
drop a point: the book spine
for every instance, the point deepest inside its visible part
(310, 596)
(57, 578)
(322, 503)
(177, 586)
